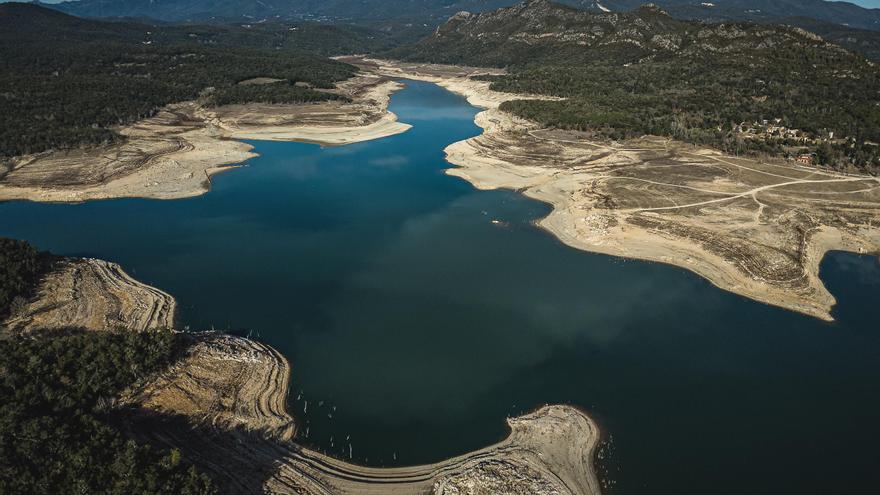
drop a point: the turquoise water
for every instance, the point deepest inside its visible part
(415, 325)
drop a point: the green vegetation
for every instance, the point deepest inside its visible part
(638, 73)
(318, 39)
(278, 92)
(718, 96)
(21, 267)
(55, 432)
(866, 42)
(66, 81)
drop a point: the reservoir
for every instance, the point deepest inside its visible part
(418, 312)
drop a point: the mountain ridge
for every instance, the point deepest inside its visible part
(436, 11)
(541, 31)
(737, 86)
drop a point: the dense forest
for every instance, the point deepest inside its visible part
(743, 88)
(21, 266)
(55, 436)
(56, 432)
(65, 82)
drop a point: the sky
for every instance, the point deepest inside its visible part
(868, 3)
(865, 3)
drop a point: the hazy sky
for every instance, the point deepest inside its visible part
(866, 3)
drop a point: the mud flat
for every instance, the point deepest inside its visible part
(228, 397)
(95, 295)
(753, 227)
(175, 153)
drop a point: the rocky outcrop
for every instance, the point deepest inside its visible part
(536, 31)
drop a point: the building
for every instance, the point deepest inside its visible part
(805, 159)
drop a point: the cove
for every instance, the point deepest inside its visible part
(418, 313)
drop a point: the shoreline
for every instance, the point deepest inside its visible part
(230, 394)
(175, 154)
(225, 405)
(95, 295)
(605, 198)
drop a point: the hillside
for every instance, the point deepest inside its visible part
(843, 13)
(435, 11)
(68, 81)
(256, 10)
(762, 11)
(739, 87)
(863, 41)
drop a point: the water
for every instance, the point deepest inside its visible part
(415, 325)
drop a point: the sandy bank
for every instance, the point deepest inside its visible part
(755, 228)
(95, 295)
(224, 405)
(231, 393)
(175, 153)
(365, 118)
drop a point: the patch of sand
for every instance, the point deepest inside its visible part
(756, 228)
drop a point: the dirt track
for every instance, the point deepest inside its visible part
(754, 227)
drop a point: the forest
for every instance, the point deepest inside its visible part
(67, 82)
(56, 431)
(718, 96)
(21, 266)
(625, 75)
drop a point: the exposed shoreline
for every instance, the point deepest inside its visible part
(757, 229)
(224, 405)
(94, 295)
(230, 394)
(174, 154)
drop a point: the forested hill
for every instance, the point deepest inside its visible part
(67, 81)
(864, 41)
(434, 11)
(836, 12)
(737, 86)
(257, 10)
(539, 31)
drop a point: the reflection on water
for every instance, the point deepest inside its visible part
(415, 324)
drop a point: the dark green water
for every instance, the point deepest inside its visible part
(415, 325)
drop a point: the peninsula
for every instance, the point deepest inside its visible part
(222, 404)
(758, 228)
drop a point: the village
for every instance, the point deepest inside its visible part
(798, 146)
